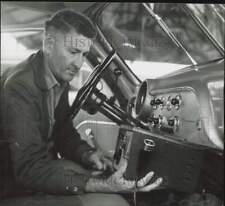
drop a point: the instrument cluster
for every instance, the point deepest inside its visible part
(173, 111)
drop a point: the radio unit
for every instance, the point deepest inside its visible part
(178, 163)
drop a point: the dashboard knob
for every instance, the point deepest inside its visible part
(156, 120)
(174, 101)
(160, 119)
(171, 122)
(158, 101)
(153, 102)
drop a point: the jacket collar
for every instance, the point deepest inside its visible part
(37, 62)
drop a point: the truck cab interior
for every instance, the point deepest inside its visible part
(151, 91)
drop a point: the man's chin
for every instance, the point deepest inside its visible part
(67, 78)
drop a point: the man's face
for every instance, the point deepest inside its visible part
(67, 55)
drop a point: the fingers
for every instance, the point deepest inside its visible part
(97, 162)
(107, 163)
(96, 173)
(143, 181)
(100, 161)
(122, 169)
(103, 162)
(118, 183)
(152, 186)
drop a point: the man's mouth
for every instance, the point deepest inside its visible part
(73, 71)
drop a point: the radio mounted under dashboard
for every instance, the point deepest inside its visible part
(180, 164)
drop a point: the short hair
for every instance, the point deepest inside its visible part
(67, 19)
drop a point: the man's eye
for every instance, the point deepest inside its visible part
(73, 52)
(85, 54)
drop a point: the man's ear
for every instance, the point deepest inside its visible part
(49, 41)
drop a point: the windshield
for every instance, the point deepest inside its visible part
(142, 39)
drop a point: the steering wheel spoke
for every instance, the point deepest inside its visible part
(88, 88)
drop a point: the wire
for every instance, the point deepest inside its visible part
(135, 193)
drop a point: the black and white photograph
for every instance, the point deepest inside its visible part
(112, 104)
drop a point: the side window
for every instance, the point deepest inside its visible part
(17, 46)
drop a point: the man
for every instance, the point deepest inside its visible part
(35, 98)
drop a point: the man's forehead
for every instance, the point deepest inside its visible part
(77, 41)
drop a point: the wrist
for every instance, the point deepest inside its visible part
(97, 185)
(86, 157)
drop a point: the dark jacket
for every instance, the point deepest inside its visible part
(26, 124)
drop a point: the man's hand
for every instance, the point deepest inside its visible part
(100, 161)
(117, 183)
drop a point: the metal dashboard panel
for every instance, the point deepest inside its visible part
(183, 120)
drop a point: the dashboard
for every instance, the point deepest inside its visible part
(184, 130)
(187, 107)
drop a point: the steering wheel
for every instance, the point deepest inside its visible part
(90, 84)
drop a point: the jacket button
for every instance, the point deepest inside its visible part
(75, 189)
(72, 189)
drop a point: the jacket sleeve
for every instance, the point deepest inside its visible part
(67, 140)
(33, 166)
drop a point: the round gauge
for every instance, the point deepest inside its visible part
(143, 106)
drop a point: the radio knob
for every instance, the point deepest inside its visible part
(149, 145)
